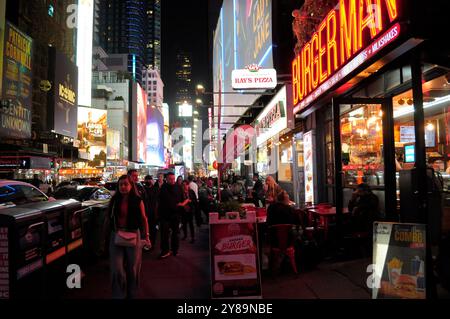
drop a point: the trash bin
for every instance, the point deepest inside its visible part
(95, 231)
(22, 253)
(58, 246)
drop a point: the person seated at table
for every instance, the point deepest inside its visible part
(226, 194)
(272, 190)
(282, 212)
(363, 209)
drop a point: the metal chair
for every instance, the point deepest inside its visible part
(281, 245)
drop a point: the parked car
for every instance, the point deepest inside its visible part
(111, 186)
(13, 193)
(88, 195)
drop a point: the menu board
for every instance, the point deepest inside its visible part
(308, 154)
(399, 259)
(407, 134)
(4, 263)
(234, 257)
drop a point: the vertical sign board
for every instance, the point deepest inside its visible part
(308, 153)
(4, 263)
(2, 33)
(234, 257)
(399, 252)
(15, 111)
(62, 101)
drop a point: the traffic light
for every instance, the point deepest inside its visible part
(52, 163)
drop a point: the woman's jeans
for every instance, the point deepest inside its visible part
(125, 269)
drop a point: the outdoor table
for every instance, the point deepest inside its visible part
(325, 215)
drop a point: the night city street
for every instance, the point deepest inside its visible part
(224, 157)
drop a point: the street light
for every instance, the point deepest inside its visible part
(199, 101)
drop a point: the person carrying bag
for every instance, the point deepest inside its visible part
(129, 221)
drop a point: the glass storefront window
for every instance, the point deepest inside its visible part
(285, 161)
(362, 146)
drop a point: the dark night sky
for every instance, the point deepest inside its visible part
(185, 25)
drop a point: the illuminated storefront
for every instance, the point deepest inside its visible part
(374, 87)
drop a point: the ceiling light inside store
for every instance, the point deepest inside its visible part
(410, 109)
(430, 127)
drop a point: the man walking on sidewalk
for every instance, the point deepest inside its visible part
(170, 205)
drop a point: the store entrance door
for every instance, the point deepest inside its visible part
(364, 152)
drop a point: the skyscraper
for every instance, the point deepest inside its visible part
(153, 41)
(123, 29)
(183, 85)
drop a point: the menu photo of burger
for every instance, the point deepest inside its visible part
(232, 267)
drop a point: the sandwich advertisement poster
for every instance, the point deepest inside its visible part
(234, 259)
(399, 259)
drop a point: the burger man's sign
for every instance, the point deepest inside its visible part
(252, 77)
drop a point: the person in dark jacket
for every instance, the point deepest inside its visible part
(151, 195)
(226, 194)
(189, 211)
(281, 212)
(133, 173)
(363, 209)
(258, 191)
(169, 210)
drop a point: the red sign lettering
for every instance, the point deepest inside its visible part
(339, 38)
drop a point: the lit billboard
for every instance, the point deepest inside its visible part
(155, 137)
(92, 127)
(112, 144)
(62, 110)
(85, 24)
(138, 124)
(185, 110)
(15, 111)
(243, 37)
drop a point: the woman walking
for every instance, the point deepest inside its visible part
(128, 220)
(190, 208)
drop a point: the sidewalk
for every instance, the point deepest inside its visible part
(187, 276)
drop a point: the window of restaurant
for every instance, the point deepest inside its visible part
(262, 160)
(361, 130)
(285, 160)
(436, 105)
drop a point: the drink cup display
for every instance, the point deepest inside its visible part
(394, 270)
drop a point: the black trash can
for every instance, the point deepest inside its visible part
(22, 253)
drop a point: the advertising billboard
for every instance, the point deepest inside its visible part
(138, 124)
(112, 144)
(92, 126)
(155, 137)
(243, 37)
(2, 33)
(15, 109)
(85, 25)
(63, 95)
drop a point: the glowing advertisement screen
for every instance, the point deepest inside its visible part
(113, 144)
(92, 126)
(141, 125)
(155, 137)
(243, 36)
(85, 26)
(63, 95)
(15, 115)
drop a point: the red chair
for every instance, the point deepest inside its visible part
(281, 245)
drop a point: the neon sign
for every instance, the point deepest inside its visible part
(332, 52)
